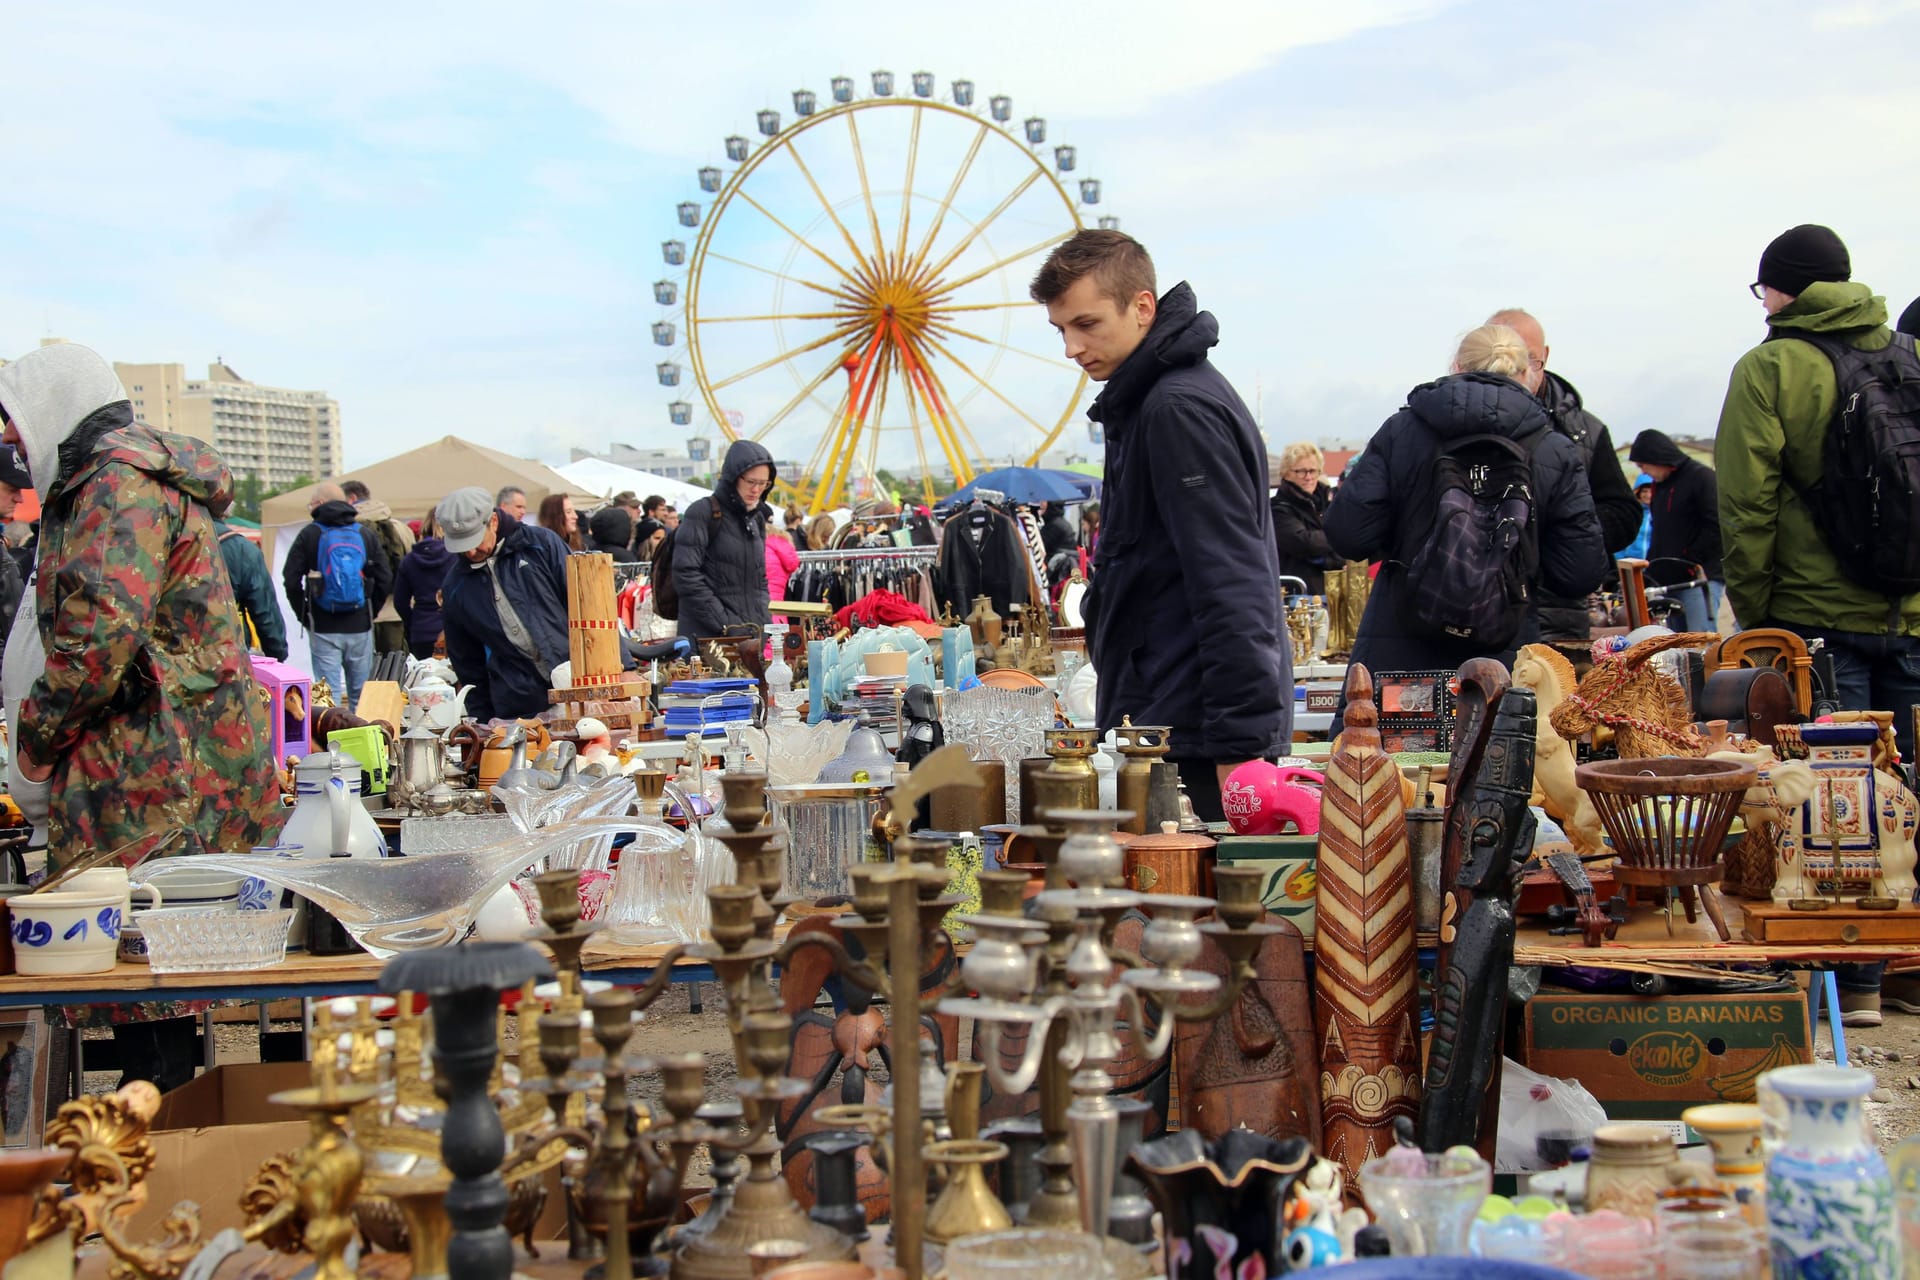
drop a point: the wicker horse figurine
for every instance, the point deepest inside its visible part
(1545, 670)
(1646, 708)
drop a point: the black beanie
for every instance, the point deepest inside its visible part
(1805, 255)
(1910, 319)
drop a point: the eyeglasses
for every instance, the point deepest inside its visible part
(758, 484)
(1758, 290)
(1304, 472)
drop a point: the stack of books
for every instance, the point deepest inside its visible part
(706, 707)
(872, 702)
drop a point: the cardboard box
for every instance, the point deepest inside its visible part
(212, 1134)
(1287, 866)
(1652, 1057)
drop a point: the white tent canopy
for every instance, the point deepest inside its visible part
(604, 479)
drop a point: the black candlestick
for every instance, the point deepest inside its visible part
(463, 985)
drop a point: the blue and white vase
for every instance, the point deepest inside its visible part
(1830, 1211)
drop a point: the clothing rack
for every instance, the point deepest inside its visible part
(623, 574)
(881, 555)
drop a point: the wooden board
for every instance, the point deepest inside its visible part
(382, 700)
(593, 626)
(616, 691)
(1770, 922)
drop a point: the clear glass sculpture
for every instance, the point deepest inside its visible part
(407, 904)
(799, 751)
(1008, 725)
(655, 866)
(532, 808)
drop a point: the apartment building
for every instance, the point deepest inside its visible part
(277, 434)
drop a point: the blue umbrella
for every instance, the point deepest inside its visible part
(1019, 484)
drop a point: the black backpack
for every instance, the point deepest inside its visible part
(666, 597)
(1470, 575)
(1866, 502)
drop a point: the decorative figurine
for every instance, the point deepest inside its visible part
(1364, 942)
(1645, 707)
(1545, 670)
(1489, 816)
(1320, 1227)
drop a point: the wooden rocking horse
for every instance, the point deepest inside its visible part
(1545, 670)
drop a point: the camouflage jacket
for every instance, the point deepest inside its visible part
(147, 709)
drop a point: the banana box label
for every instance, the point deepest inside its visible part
(1649, 1058)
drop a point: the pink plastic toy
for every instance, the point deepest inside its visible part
(1262, 799)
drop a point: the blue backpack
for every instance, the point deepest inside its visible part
(342, 558)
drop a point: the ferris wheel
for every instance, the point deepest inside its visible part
(855, 296)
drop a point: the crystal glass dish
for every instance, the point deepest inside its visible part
(212, 940)
(391, 905)
(1008, 725)
(1024, 1253)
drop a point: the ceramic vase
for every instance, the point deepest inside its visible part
(1830, 1207)
(1630, 1168)
(1840, 825)
(1220, 1202)
(1732, 1129)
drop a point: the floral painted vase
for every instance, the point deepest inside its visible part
(1221, 1203)
(1830, 1209)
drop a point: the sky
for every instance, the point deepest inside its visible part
(449, 216)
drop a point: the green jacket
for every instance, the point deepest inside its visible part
(1772, 429)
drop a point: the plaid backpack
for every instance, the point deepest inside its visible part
(1472, 574)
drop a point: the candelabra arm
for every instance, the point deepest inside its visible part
(861, 973)
(1162, 1038)
(1238, 976)
(761, 1126)
(532, 1144)
(1127, 959)
(649, 991)
(1032, 1058)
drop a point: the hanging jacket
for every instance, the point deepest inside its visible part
(417, 587)
(1686, 511)
(1773, 428)
(1183, 613)
(1298, 536)
(136, 686)
(253, 590)
(529, 564)
(719, 552)
(1384, 509)
(994, 566)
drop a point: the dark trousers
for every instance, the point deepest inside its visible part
(422, 648)
(1201, 778)
(390, 637)
(164, 1051)
(1872, 673)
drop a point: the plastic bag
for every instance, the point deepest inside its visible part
(1532, 1107)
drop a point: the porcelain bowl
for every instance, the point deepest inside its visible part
(199, 887)
(65, 932)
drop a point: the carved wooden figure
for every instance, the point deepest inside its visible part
(1545, 670)
(1489, 811)
(1364, 944)
(1255, 1067)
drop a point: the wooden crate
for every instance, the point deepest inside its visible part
(1771, 922)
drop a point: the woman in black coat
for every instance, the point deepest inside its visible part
(1384, 507)
(719, 551)
(1298, 504)
(609, 531)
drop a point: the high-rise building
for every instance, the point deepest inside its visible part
(273, 433)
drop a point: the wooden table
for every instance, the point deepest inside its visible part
(1643, 943)
(301, 976)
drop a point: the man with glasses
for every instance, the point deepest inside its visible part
(504, 605)
(1781, 401)
(1564, 620)
(720, 549)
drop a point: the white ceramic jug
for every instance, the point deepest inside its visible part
(328, 820)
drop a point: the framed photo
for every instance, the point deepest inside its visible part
(24, 1043)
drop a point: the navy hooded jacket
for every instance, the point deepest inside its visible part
(531, 562)
(720, 553)
(1183, 615)
(1383, 510)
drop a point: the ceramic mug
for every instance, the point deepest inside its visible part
(112, 880)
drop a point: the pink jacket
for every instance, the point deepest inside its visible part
(782, 563)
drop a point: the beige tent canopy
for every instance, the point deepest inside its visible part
(413, 482)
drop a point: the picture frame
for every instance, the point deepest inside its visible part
(25, 1052)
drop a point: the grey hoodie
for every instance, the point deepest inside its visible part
(47, 392)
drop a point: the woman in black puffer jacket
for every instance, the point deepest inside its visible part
(1299, 502)
(719, 550)
(1383, 508)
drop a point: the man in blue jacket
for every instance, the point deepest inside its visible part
(1183, 617)
(504, 606)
